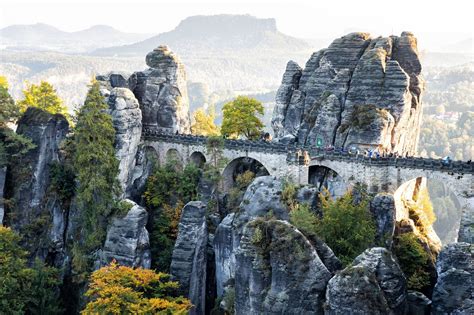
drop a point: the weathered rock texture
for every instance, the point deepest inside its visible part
(373, 284)
(418, 303)
(127, 120)
(36, 213)
(127, 239)
(278, 271)
(454, 290)
(189, 260)
(383, 212)
(358, 91)
(233, 237)
(162, 93)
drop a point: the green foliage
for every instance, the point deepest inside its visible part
(3, 82)
(43, 96)
(204, 124)
(229, 300)
(22, 289)
(167, 190)
(288, 194)
(96, 168)
(62, 178)
(348, 228)
(118, 290)
(44, 292)
(242, 181)
(413, 260)
(240, 118)
(215, 149)
(304, 219)
(12, 145)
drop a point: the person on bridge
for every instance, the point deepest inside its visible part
(307, 159)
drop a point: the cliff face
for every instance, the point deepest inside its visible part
(36, 213)
(358, 91)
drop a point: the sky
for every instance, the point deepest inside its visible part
(434, 21)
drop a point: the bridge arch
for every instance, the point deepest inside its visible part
(173, 156)
(198, 159)
(238, 166)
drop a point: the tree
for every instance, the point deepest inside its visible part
(346, 226)
(96, 168)
(215, 149)
(22, 289)
(44, 97)
(204, 123)
(118, 289)
(12, 145)
(240, 118)
(167, 191)
(413, 259)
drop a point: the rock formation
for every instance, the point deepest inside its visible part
(189, 260)
(372, 284)
(127, 120)
(383, 211)
(127, 239)
(359, 91)
(34, 206)
(278, 271)
(454, 290)
(162, 93)
(418, 303)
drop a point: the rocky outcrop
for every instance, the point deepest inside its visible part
(418, 303)
(32, 214)
(162, 93)
(357, 92)
(453, 292)
(189, 259)
(127, 121)
(278, 271)
(224, 253)
(373, 284)
(127, 239)
(382, 208)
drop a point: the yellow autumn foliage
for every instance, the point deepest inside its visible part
(116, 289)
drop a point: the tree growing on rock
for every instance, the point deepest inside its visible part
(12, 145)
(96, 168)
(240, 118)
(346, 226)
(44, 97)
(23, 289)
(204, 124)
(118, 289)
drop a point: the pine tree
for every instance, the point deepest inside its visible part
(96, 167)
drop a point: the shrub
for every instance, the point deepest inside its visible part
(118, 289)
(348, 228)
(288, 194)
(413, 260)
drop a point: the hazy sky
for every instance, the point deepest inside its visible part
(443, 21)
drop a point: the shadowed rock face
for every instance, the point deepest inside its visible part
(34, 206)
(453, 292)
(358, 91)
(278, 271)
(373, 284)
(189, 260)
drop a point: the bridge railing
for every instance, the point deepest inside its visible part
(291, 150)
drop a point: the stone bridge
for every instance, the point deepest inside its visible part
(280, 160)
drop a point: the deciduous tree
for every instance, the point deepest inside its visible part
(240, 118)
(204, 124)
(44, 97)
(118, 289)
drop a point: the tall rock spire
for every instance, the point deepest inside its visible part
(357, 92)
